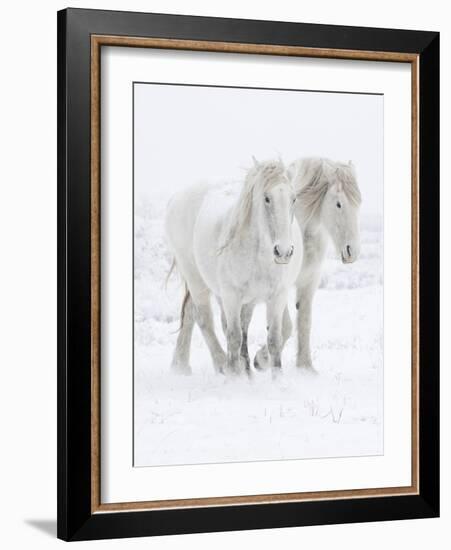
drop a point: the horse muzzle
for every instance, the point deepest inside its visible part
(281, 256)
(349, 254)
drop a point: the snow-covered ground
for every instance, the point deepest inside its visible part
(210, 418)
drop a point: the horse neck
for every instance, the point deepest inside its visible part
(253, 230)
(309, 223)
(248, 232)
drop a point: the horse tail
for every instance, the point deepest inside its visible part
(168, 276)
(186, 297)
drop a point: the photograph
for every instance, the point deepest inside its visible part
(258, 274)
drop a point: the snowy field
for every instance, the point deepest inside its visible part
(206, 418)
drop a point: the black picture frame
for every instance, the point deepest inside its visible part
(76, 521)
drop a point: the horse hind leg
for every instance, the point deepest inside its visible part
(180, 361)
(204, 318)
(197, 309)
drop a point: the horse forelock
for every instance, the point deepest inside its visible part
(266, 175)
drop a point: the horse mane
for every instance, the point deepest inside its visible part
(263, 176)
(312, 177)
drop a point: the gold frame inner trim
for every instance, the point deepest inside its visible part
(97, 41)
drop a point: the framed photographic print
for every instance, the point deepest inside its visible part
(248, 274)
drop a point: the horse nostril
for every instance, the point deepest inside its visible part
(348, 250)
(290, 253)
(277, 251)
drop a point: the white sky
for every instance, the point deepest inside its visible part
(184, 134)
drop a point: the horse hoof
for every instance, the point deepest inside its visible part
(233, 371)
(181, 368)
(220, 369)
(260, 363)
(245, 364)
(307, 370)
(276, 373)
(220, 365)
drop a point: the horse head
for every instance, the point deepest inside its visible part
(273, 199)
(340, 211)
(328, 195)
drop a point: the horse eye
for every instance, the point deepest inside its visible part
(338, 205)
(267, 200)
(294, 200)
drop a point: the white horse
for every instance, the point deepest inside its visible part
(243, 251)
(328, 202)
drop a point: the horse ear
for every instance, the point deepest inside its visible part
(256, 163)
(291, 171)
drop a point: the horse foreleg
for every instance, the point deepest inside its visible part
(306, 285)
(246, 316)
(304, 324)
(232, 313)
(223, 321)
(261, 359)
(275, 314)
